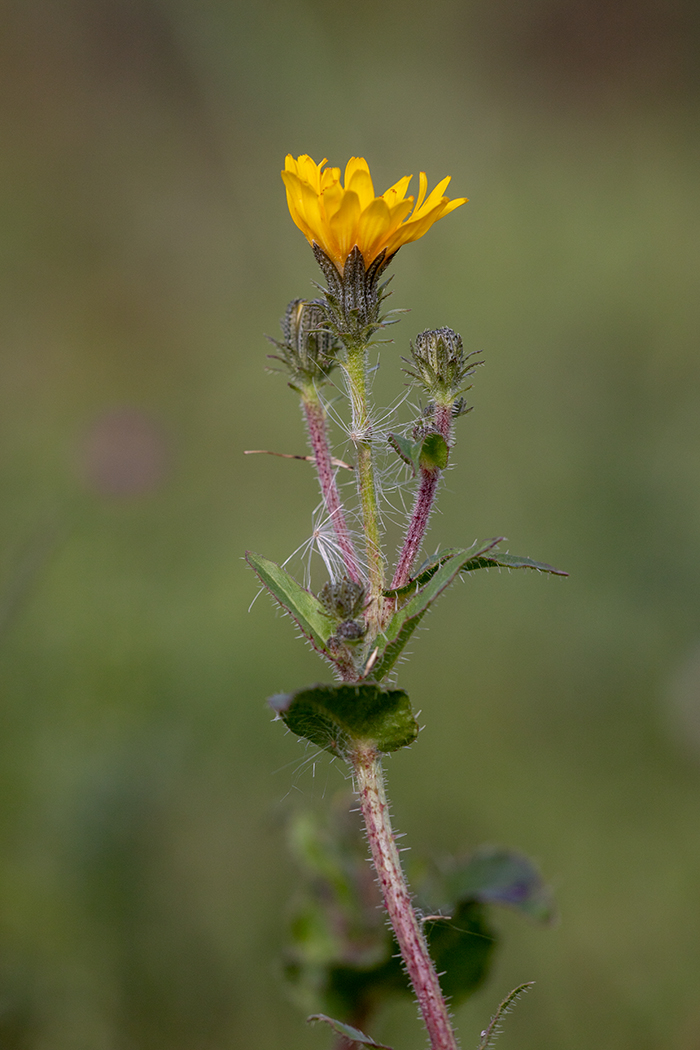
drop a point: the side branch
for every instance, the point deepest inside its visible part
(422, 508)
(417, 526)
(421, 971)
(318, 436)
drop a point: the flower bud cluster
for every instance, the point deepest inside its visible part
(308, 349)
(344, 600)
(441, 366)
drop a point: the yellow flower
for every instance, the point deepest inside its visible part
(339, 217)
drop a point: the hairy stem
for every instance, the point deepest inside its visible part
(422, 508)
(417, 526)
(369, 780)
(356, 372)
(318, 436)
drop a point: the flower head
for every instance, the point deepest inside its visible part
(337, 218)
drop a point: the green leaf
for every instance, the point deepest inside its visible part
(485, 558)
(494, 875)
(303, 606)
(408, 451)
(430, 453)
(513, 561)
(406, 619)
(341, 718)
(353, 1034)
(434, 576)
(462, 947)
(434, 452)
(431, 565)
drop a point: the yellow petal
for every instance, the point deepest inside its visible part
(308, 207)
(295, 201)
(353, 165)
(343, 225)
(360, 182)
(433, 199)
(397, 192)
(332, 199)
(330, 177)
(422, 189)
(308, 170)
(397, 214)
(372, 229)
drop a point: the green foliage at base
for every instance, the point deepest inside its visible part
(342, 958)
(344, 717)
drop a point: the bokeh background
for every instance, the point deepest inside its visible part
(146, 248)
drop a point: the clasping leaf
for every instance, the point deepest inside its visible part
(342, 718)
(430, 452)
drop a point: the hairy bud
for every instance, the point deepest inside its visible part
(441, 366)
(308, 349)
(343, 599)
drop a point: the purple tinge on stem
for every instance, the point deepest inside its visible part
(316, 423)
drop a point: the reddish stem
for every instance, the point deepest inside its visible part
(375, 810)
(422, 508)
(318, 435)
(417, 526)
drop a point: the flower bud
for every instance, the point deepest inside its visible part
(441, 367)
(308, 349)
(343, 599)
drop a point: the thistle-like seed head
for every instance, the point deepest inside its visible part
(308, 348)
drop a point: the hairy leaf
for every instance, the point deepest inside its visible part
(408, 616)
(340, 718)
(484, 558)
(514, 561)
(430, 452)
(407, 450)
(303, 606)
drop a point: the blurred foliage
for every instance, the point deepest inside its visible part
(145, 248)
(343, 959)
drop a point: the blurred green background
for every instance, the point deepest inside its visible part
(146, 247)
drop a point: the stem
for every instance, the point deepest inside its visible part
(356, 372)
(375, 810)
(417, 526)
(422, 508)
(318, 435)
